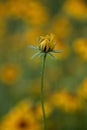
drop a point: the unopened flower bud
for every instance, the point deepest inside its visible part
(47, 43)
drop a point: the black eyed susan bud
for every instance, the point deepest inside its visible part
(47, 43)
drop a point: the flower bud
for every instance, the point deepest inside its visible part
(47, 43)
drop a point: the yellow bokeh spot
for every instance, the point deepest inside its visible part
(76, 8)
(80, 46)
(9, 73)
(66, 101)
(82, 90)
(39, 17)
(61, 27)
(27, 10)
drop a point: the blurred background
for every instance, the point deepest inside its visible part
(65, 90)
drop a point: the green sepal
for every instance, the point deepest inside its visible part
(53, 56)
(57, 51)
(41, 54)
(33, 47)
(36, 54)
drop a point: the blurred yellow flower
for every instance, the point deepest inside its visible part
(66, 101)
(76, 8)
(47, 43)
(82, 90)
(18, 8)
(80, 46)
(20, 117)
(9, 73)
(38, 13)
(32, 12)
(38, 110)
(61, 27)
(57, 98)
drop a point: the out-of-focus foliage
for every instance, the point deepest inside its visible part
(65, 90)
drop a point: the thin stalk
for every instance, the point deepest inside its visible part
(42, 91)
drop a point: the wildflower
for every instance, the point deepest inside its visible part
(75, 8)
(38, 110)
(67, 101)
(80, 46)
(46, 45)
(62, 27)
(20, 117)
(26, 10)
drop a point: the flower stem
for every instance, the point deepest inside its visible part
(42, 91)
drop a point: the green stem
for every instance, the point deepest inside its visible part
(42, 91)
